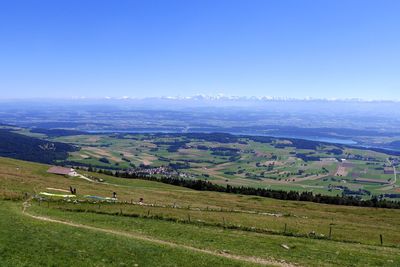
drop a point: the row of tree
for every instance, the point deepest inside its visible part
(204, 185)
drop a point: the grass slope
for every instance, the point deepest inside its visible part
(201, 220)
(27, 242)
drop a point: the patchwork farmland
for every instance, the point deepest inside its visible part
(264, 162)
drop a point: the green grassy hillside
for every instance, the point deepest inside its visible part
(175, 226)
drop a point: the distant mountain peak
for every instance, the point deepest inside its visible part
(233, 98)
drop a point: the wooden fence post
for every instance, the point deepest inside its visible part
(381, 239)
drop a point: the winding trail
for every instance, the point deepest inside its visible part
(249, 259)
(394, 172)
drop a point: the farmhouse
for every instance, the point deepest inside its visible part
(62, 171)
(390, 170)
(328, 159)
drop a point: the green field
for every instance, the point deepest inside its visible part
(175, 226)
(277, 163)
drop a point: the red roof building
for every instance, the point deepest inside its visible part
(62, 171)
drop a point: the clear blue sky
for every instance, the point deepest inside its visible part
(315, 48)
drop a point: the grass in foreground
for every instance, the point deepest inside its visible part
(27, 242)
(303, 251)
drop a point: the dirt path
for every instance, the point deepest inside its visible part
(309, 178)
(394, 172)
(249, 259)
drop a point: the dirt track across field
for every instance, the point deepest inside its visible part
(248, 259)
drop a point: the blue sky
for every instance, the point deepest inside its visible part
(316, 48)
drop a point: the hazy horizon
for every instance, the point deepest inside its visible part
(201, 97)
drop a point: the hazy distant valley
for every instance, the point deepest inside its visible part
(374, 124)
(352, 148)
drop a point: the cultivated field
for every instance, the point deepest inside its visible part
(264, 162)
